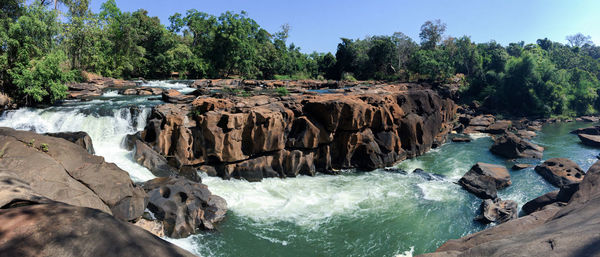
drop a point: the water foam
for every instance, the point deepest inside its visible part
(183, 88)
(310, 201)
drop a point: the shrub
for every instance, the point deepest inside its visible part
(282, 91)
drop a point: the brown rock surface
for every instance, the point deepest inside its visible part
(590, 140)
(560, 172)
(66, 172)
(266, 136)
(483, 180)
(511, 146)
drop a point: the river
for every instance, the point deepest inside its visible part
(375, 213)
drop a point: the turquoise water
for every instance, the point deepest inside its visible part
(375, 213)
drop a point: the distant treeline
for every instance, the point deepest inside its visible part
(42, 48)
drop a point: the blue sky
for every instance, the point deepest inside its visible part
(317, 25)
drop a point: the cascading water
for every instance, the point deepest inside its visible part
(375, 213)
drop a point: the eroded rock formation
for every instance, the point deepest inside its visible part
(270, 136)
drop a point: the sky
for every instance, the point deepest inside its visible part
(318, 25)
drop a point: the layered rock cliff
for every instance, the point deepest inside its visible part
(284, 136)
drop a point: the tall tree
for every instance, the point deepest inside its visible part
(431, 33)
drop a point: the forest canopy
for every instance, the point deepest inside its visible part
(43, 46)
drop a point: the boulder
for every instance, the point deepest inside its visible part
(176, 97)
(498, 211)
(79, 138)
(594, 131)
(482, 120)
(590, 119)
(498, 127)
(511, 146)
(520, 166)
(15, 192)
(58, 229)
(66, 172)
(429, 176)
(560, 172)
(183, 206)
(540, 202)
(526, 134)
(589, 140)
(461, 139)
(153, 161)
(483, 180)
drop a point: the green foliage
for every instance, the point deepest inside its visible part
(44, 147)
(31, 142)
(282, 91)
(43, 80)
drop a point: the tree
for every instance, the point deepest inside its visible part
(431, 33)
(579, 40)
(406, 47)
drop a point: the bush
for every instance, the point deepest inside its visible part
(43, 80)
(346, 76)
(282, 91)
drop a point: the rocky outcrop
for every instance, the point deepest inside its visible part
(560, 172)
(176, 97)
(79, 138)
(184, 207)
(93, 85)
(589, 140)
(66, 172)
(6, 102)
(142, 91)
(498, 127)
(498, 211)
(511, 146)
(62, 230)
(266, 136)
(484, 180)
(571, 230)
(33, 225)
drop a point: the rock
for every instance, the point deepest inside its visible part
(482, 120)
(590, 119)
(526, 134)
(79, 138)
(153, 161)
(62, 230)
(498, 127)
(520, 166)
(498, 211)
(94, 85)
(589, 140)
(66, 172)
(429, 176)
(263, 136)
(594, 131)
(6, 102)
(511, 146)
(483, 180)
(142, 91)
(461, 139)
(176, 97)
(183, 206)
(395, 170)
(153, 226)
(540, 202)
(560, 172)
(15, 192)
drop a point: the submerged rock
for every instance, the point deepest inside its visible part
(560, 172)
(483, 180)
(183, 206)
(498, 211)
(512, 146)
(395, 170)
(429, 176)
